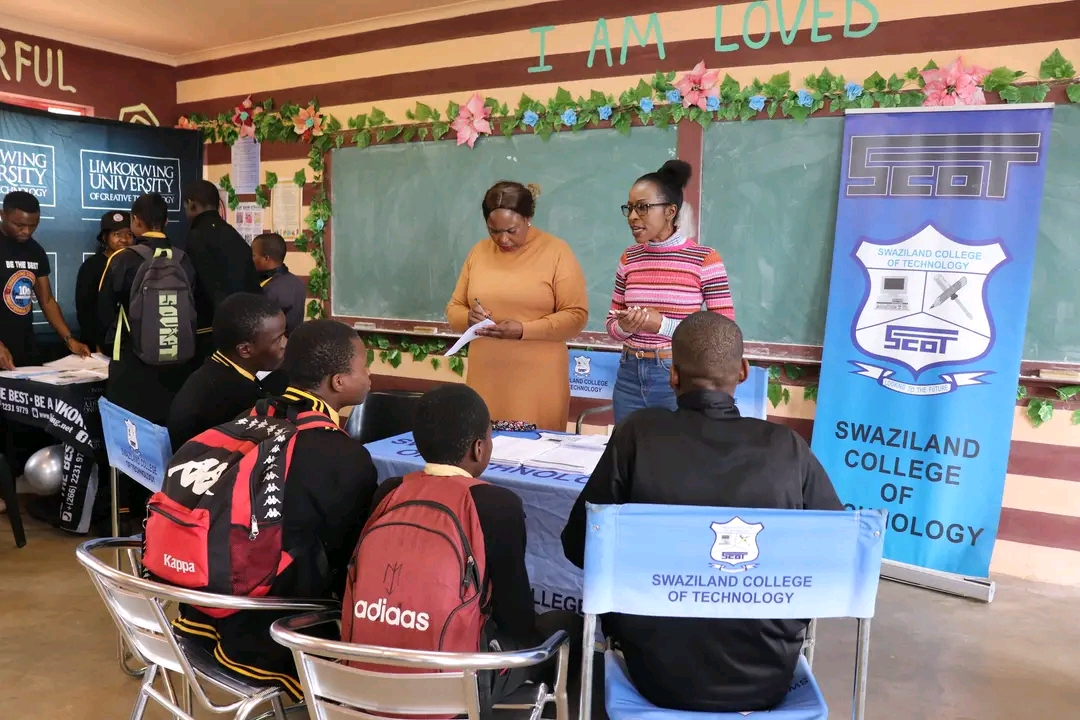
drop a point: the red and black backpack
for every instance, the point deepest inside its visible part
(418, 578)
(216, 523)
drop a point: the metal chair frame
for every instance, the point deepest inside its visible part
(138, 607)
(337, 696)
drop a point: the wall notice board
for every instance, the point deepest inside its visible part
(406, 215)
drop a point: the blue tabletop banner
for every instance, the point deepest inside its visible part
(935, 245)
(136, 447)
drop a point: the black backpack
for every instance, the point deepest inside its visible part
(161, 309)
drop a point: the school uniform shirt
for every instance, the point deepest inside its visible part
(704, 454)
(146, 390)
(502, 521)
(21, 264)
(223, 263)
(328, 491)
(289, 292)
(86, 300)
(216, 393)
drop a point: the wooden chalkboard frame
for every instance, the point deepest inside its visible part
(690, 141)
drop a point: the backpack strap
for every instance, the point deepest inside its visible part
(122, 322)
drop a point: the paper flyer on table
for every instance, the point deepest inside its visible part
(468, 336)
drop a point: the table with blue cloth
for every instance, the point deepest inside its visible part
(547, 496)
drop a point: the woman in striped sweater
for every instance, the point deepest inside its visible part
(661, 279)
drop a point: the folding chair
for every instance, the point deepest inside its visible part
(335, 691)
(736, 551)
(141, 450)
(138, 608)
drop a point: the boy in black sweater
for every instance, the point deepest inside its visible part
(249, 334)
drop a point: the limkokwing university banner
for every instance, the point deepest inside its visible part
(935, 244)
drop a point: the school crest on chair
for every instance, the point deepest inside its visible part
(735, 547)
(582, 365)
(132, 435)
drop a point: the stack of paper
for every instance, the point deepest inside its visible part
(96, 361)
(71, 377)
(514, 451)
(26, 372)
(581, 459)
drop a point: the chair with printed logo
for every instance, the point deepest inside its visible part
(835, 556)
(138, 607)
(436, 684)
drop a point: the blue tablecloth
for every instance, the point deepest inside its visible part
(547, 495)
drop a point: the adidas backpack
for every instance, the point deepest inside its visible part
(161, 309)
(418, 577)
(216, 523)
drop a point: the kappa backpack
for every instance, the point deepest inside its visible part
(161, 309)
(216, 523)
(418, 577)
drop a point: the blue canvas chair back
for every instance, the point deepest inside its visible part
(729, 563)
(136, 447)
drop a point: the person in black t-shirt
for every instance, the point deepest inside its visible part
(24, 272)
(249, 333)
(115, 235)
(452, 430)
(705, 454)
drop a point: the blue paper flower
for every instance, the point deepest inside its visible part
(853, 90)
(569, 116)
(805, 98)
(757, 102)
(646, 105)
(319, 224)
(530, 118)
(673, 96)
(712, 103)
(604, 111)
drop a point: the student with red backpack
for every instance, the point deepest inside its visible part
(441, 562)
(271, 504)
(146, 306)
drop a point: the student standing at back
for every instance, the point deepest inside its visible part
(705, 454)
(249, 334)
(280, 285)
(146, 306)
(221, 256)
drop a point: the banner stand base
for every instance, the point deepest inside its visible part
(981, 589)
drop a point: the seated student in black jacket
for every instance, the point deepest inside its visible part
(114, 236)
(328, 492)
(705, 454)
(249, 334)
(221, 256)
(452, 430)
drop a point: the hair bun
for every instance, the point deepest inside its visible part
(678, 171)
(534, 190)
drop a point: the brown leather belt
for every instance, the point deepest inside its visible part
(661, 354)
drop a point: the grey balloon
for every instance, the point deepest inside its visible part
(45, 470)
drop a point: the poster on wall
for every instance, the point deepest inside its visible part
(79, 169)
(935, 245)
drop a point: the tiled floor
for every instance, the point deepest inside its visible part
(933, 657)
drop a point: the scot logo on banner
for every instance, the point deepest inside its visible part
(935, 245)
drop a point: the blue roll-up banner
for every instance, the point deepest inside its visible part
(80, 168)
(593, 373)
(935, 244)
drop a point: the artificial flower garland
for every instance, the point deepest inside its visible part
(699, 96)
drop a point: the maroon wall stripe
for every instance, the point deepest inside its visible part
(561, 12)
(308, 192)
(1036, 528)
(1044, 23)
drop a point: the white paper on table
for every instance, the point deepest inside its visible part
(575, 458)
(71, 377)
(468, 336)
(26, 371)
(96, 361)
(285, 201)
(508, 450)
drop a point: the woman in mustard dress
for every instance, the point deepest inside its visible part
(531, 285)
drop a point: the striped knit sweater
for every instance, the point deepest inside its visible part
(676, 277)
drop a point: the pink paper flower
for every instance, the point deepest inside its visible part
(184, 124)
(954, 85)
(307, 123)
(698, 85)
(472, 121)
(244, 117)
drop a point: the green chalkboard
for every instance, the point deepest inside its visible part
(406, 215)
(769, 207)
